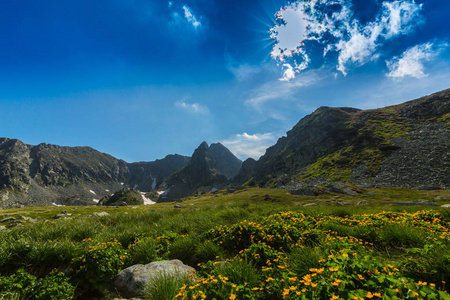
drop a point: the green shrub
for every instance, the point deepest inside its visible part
(98, 266)
(22, 285)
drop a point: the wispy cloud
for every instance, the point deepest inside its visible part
(183, 15)
(281, 91)
(411, 62)
(249, 145)
(190, 16)
(192, 108)
(334, 27)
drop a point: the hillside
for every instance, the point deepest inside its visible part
(211, 167)
(45, 174)
(405, 145)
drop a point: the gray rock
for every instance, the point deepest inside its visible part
(310, 204)
(179, 206)
(133, 281)
(446, 205)
(100, 214)
(8, 219)
(416, 202)
(362, 203)
(371, 193)
(343, 203)
(62, 215)
(441, 198)
(24, 218)
(2, 228)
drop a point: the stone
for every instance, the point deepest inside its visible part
(23, 218)
(343, 203)
(2, 228)
(310, 204)
(179, 206)
(361, 202)
(62, 215)
(416, 202)
(446, 205)
(132, 281)
(8, 219)
(100, 214)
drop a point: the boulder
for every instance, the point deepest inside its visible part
(100, 214)
(132, 281)
(179, 206)
(8, 219)
(446, 205)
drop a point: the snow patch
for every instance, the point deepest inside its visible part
(95, 200)
(147, 201)
(107, 190)
(153, 183)
(135, 186)
(121, 183)
(163, 194)
(54, 204)
(92, 192)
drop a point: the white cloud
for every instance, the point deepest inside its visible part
(291, 33)
(190, 16)
(288, 74)
(411, 62)
(193, 108)
(250, 145)
(340, 32)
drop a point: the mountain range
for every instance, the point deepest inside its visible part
(405, 145)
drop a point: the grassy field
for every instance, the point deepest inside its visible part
(274, 247)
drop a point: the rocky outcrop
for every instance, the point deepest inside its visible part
(403, 145)
(123, 197)
(133, 281)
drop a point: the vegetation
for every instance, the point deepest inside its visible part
(245, 244)
(370, 147)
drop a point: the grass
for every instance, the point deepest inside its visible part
(243, 237)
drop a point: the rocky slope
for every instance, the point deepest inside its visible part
(403, 145)
(211, 167)
(49, 174)
(147, 176)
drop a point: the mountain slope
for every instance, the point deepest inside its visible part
(402, 145)
(210, 167)
(45, 174)
(147, 176)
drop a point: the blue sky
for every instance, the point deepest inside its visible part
(143, 79)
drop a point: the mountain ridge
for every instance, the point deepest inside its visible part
(405, 145)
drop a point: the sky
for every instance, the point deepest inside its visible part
(141, 79)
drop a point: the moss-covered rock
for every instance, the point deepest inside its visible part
(123, 197)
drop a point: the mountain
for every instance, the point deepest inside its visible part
(211, 167)
(146, 176)
(403, 145)
(50, 174)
